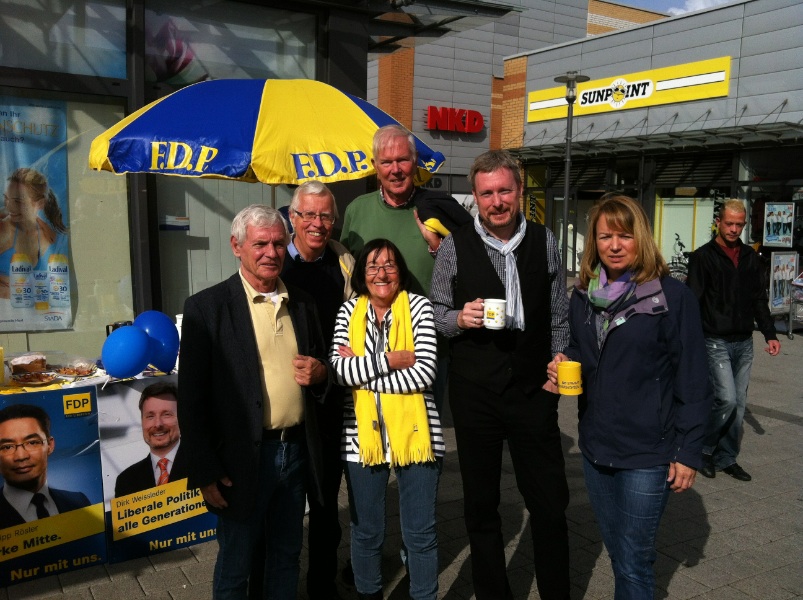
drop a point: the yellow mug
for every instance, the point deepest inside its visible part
(570, 383)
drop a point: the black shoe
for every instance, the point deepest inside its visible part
(347, 574)
(708, 470)
(327, 593)
(737, 472)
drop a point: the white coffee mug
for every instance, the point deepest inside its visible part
(494, 313)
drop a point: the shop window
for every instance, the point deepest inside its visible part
(534, 201)
(698, 169)
(770, 206)
(93, 234)
(201, 256)
(225, 40)
(81, 38)
(684, 218)
(536, 176)
(779, 165)
(216, 40)
(626, 174)
(535, 205)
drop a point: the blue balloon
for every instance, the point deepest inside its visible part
(164, 338)
(159, 326)
(126, 352)
(163, 357)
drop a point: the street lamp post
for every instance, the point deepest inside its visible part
(571, 79)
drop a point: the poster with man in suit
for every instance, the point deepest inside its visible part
(145, 464)
(160, 429)
(51, 511)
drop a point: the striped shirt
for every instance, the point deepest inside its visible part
(445, 273)
(372, 372)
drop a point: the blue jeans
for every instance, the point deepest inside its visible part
(278, 517)
(418, 491)
(729, 366)
(628, 504)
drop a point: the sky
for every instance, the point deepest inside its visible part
(673, 7)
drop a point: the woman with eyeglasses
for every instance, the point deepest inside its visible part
(384, 351)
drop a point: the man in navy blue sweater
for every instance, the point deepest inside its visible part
(321, 267)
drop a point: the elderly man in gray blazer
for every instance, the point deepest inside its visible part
(252, 368)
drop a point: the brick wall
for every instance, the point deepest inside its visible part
(395, 94)
(497, 104)
(609, 16)
(513, 98)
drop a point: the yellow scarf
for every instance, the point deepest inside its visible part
(405, 414)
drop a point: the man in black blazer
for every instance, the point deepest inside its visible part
(167, 460)
(248, 383)
(25, 444)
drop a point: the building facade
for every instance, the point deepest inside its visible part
(680, 114)
(72, 69)
(454, 92)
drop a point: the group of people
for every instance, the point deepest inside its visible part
(309, 364)
(781, 279)
(779, 222)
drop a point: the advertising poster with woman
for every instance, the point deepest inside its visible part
(51, 493)
(34, 217)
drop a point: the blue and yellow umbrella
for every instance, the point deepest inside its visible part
(274, 131)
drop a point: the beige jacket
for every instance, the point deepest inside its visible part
(346, 261)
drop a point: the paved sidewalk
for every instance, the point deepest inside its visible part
(722, 540)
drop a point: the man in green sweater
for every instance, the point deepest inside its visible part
(392, 212)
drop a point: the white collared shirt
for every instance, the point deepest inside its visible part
(170, 456)
(20, 500)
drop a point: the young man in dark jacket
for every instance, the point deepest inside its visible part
(725, 275)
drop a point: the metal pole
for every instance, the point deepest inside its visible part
(566, 186)
(571, 79)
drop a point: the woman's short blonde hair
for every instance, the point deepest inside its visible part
(622, 213)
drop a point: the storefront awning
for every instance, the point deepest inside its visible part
(723, 138)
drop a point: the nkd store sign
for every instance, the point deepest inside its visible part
(682, 83)
(462, 120)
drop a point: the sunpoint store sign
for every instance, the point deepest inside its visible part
(682, 83)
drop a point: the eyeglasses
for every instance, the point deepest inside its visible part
(389, 268)
(29, 445)
(308, 216)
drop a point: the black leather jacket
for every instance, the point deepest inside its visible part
(731, 298)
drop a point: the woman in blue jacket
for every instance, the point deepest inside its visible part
(646, 399)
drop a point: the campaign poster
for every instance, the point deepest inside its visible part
(143, 515)
(778, 219)
(51, 501)
(35, 258)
